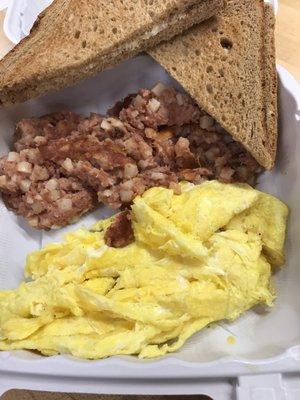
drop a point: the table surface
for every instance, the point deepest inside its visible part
(287, 53)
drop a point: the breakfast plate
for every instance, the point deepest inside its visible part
(262, 342)
(207, 354)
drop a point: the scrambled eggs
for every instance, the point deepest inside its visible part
(198, 257)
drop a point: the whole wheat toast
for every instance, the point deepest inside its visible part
(227, 64)
(74, 39)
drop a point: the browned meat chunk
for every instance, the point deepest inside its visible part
(196, 175)
(19, 170)
(52, 204)
(159, 107)
(228, 160)
(120, 232)
(33, 132)
(184, 157)
(106, 154)
(125, 192)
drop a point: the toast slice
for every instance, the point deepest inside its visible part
(227, 64)
(74, 39)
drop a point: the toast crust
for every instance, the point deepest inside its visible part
(227, 64)
(270, 85)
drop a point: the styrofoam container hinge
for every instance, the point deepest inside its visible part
(261, 387)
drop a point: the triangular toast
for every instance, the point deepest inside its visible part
(227, 64)
(74, 39)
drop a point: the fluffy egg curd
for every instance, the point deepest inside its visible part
(202, 256)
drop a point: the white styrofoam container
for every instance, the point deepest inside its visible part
(265, 344)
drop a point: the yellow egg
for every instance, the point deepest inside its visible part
(267, 218)
(198, 257)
